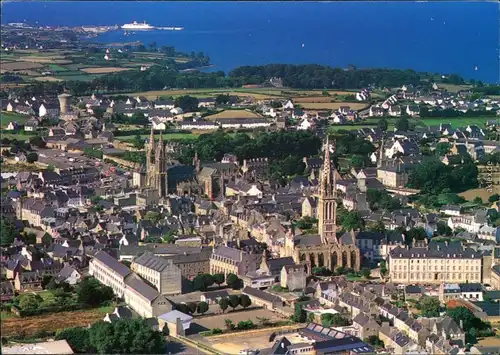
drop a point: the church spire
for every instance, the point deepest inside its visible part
(381, 153)
(327, 177)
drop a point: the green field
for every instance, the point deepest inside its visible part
(6, 117)
(57, 68)
(459, 121)
(19, 137)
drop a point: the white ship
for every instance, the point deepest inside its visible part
(137, 26)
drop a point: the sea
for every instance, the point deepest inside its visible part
(446, 37)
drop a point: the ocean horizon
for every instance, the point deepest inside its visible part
(438, 37)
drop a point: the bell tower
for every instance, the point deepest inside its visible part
(327, 203)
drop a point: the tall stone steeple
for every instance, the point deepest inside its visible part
(327, 204)
(160, 168)
(150, 149)
(381, 153)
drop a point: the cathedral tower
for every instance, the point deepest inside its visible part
(327, 204)
(161, 168)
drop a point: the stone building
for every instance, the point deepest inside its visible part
(435, 263)
(226, 260)
(324, 249)
(293, 277)
(160, 272)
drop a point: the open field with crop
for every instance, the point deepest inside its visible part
(470, 195)
(233, 114)
(454, 88)
(48, 78)
(52, 322)
(332, 105)
(49, 60)
(16, 66)
(103, 70)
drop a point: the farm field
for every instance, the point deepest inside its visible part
(15, 66)
(470, 195)
(103, 70)
(332, 105)
(52, 321)
(233, 114)
(47, 78)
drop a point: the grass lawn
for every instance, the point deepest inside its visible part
(470, 195)
(458, 121)
(19, 137)
(7, 117)
(6, 315)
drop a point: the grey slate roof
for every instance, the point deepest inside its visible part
(112, 263)
(142, 288)
(152, 261)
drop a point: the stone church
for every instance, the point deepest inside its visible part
(325, 249)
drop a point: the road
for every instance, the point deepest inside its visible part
(176, 347)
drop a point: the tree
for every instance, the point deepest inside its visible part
(77, 338)
(430, 306)
(30, 302)
(365, 272)
(37, 141)
(229, 324)
(383, 268)
(202, 282)
(222, 99)
(402, 124)
(31, 157)
(138, 142)
(245, 301)
(299, 315)
(90, 292)
(382, 124)
(153, 216)
(46, 279)
(139, 118)
(234, 301)
(169, 238)
(375, 341)
(352, 220)
(182, 307)
(192, 307)
(30, 238)
(223, 304)
(202, 307)
(356, 161)
(187, 103)
(442, 148)
(377, 226)
(9, 232)
(126, 336)
(478, 200)
(46, 239)
(219, 279)
(333, 319)
(494, 198)
(233, 281)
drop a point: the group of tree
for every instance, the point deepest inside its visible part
(473, 326)
(350, 220)
(334, 320)
(203, 281)
(9, 231)
(381, 200)
(234, 301)
(192, 308)
(429, 307)
(434, 177)
(124, 336)
(452, 113)
(91, 292)
(308, 76)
